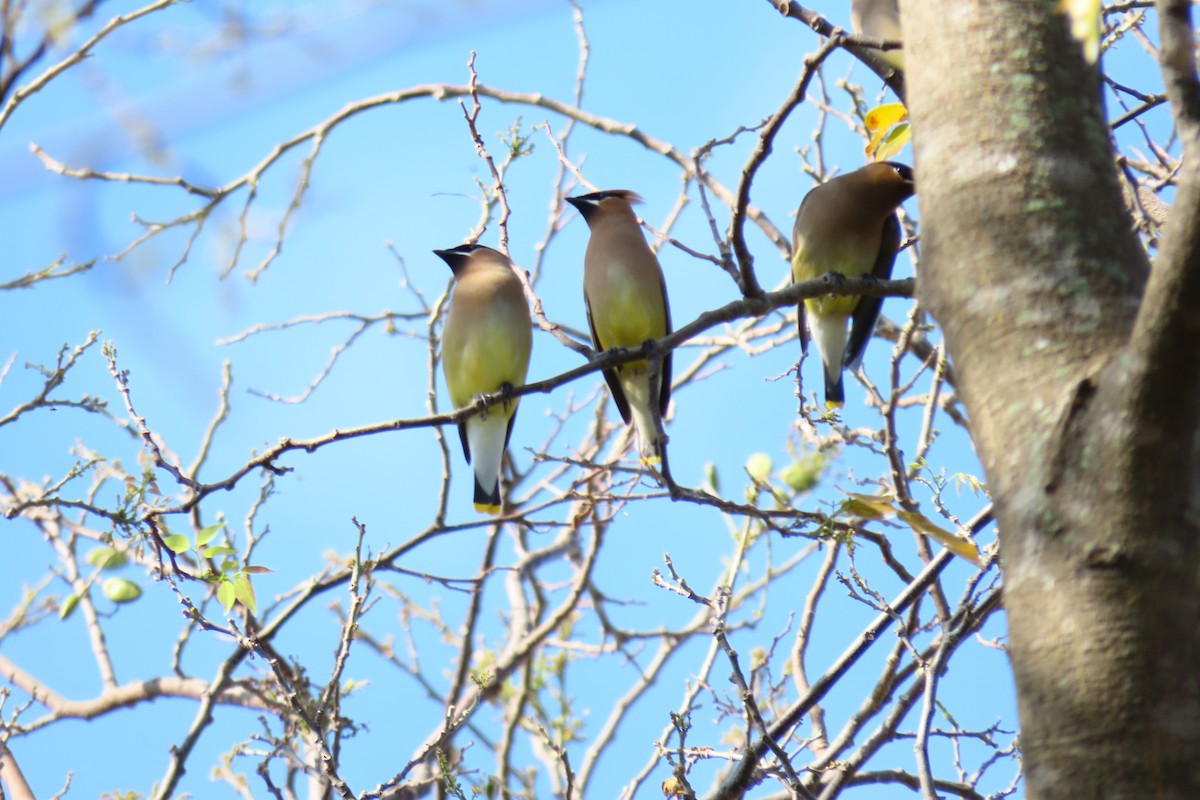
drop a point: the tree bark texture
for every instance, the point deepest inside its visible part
(1080, 369)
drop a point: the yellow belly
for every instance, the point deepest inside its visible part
(629, 318)
(842, 306)
(485, 360)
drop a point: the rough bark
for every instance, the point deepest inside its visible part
(1080, 370)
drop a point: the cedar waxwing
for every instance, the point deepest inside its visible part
(879, 19)
(626, 299)
(847, 225)
(486, 343)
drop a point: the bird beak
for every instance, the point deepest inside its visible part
(584, 207)
(452, 259)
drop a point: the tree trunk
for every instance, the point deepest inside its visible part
(1080, 371)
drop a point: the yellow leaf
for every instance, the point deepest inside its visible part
(875, 507)
(885, 116)
(956, 544)
(867, 506)
(889, 130)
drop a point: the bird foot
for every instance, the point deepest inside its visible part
(481, 400)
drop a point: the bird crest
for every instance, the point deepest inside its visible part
(628, 195)
(456, 257)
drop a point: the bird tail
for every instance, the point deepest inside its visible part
(647, 437)
(487, 502)
(486, 434)
(641, 399)
(829, 335)
(835, 393)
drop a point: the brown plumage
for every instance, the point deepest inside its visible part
(626, 299)
(879, 19)
(847, 225)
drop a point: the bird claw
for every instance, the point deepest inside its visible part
(480, 400)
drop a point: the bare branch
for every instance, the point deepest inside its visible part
(84, 50)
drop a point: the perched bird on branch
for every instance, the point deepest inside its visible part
(847, 225)
(486, 344)
(626, 300)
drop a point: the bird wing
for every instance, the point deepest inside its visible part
(462, 434)
(802, 329)
(511, 420)
(664, 393)
(867, 312)
(610, 375)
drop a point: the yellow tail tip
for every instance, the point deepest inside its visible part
(653, 461)
(834, 405)
(488, 508)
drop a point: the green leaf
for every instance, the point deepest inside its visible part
(206, 535)
(218, 550)
(803, 473)
(225, 594)
(244, 593)
(68, 606)
(120, 590)
(107, 558)
(894, 142)
(759, 466)
(177, 543)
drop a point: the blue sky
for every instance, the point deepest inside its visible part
(405, 176)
